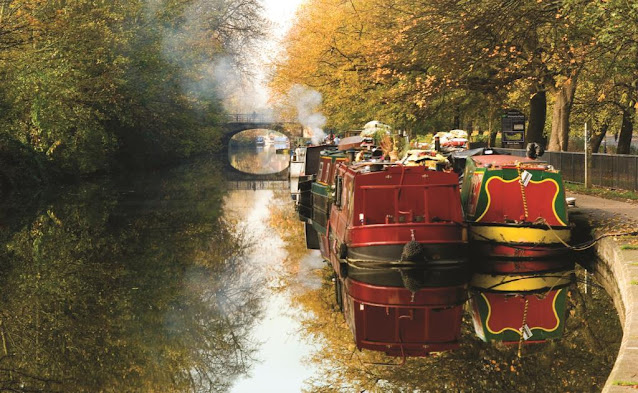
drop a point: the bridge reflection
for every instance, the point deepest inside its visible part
(257, 185)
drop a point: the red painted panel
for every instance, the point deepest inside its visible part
(506, 201)
(386, 318)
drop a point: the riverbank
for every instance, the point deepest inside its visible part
(617, 270)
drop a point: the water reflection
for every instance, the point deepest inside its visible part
(128, 286)
(169, 283)
(279, 356)
(261, 160)
(580, 360)
(520, 308)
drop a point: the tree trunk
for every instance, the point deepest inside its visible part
(493, 132)
(598, 136)
(559, 138)
(626, 130)
(457, 118)
(537, 116)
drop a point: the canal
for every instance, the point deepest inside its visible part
(171, 282)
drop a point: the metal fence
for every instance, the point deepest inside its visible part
(608, 170)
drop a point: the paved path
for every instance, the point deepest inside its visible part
(619, 275)
(629, 210)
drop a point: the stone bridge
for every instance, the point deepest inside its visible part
(236, 123)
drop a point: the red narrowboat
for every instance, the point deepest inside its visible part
(398, 245)
(394, 320)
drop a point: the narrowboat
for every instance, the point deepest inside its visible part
(391, 215)
(515, 207)
(516, 308)
(298, 162)
(397, 243)
(323, 187)
(295, 171)
(306, 178)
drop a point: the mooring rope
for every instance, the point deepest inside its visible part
(520, 182)
(578, 247)
(588, 244)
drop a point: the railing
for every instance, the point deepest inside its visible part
(254, 118)
(608, 170)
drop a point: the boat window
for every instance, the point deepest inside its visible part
(338, 191)
(320, 172)
(326, 175)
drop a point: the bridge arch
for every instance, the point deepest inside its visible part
(238, 123)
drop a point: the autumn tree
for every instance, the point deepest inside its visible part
(414, 62)
(615, 73)
(92, 86)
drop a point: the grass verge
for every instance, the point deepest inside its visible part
(626, 383)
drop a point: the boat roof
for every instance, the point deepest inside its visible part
(499, 160)
(354, 142)
(371, 166)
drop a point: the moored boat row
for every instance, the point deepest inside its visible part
(408, 248)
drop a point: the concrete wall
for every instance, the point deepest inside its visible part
(617, 271)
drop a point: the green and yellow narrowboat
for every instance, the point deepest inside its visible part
(515, 207)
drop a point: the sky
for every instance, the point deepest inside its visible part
(281, 14)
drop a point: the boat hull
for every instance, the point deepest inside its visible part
(297, 168)
(516, 241)
(440, 265)
(320, 207)
(304, 198)
(520, 265)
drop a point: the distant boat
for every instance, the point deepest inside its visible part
(260, 141)
(281, 142)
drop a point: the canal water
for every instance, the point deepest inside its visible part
(172, 282)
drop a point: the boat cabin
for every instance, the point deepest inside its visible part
(502, 188)
(374, 200)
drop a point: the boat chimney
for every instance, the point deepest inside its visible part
(437, 143)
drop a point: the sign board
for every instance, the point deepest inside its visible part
(513, 129)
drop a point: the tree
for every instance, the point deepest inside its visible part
(93, 86)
